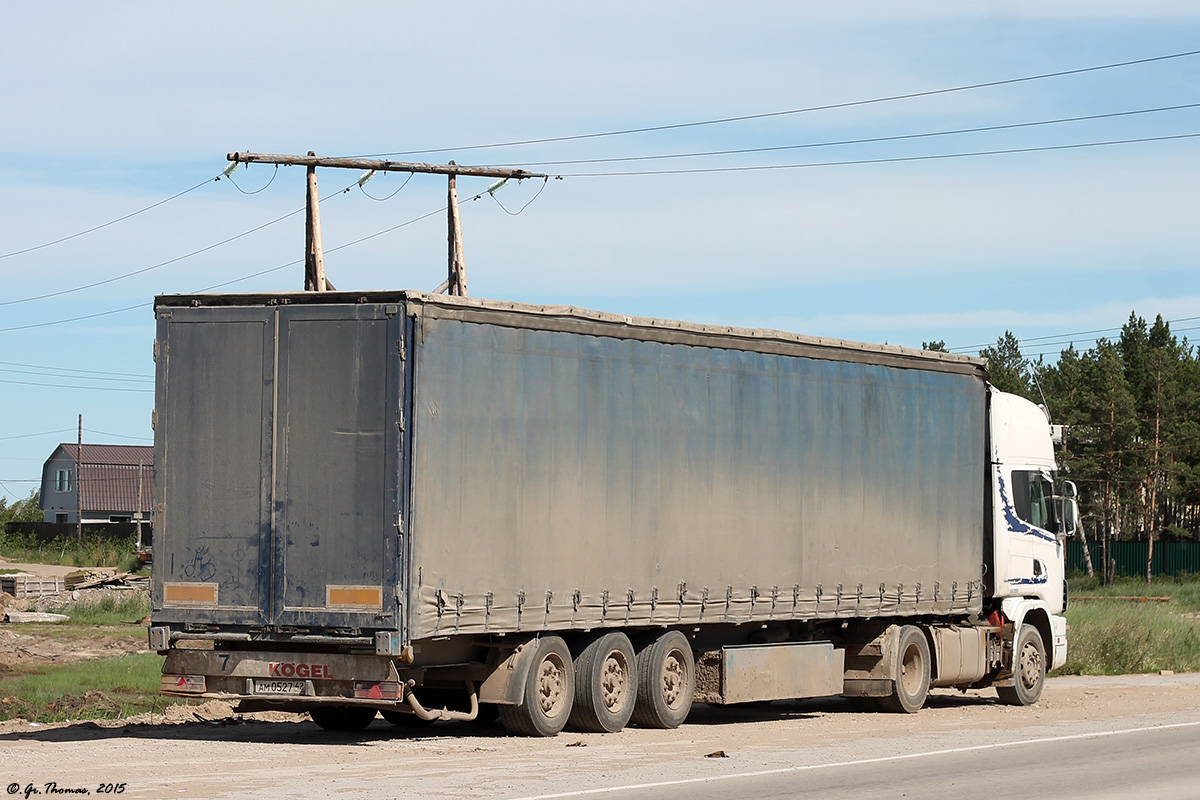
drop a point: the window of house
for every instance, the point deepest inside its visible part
(61, 519)
(1033, 499)
(62, 480)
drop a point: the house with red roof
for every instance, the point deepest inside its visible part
(107, 482)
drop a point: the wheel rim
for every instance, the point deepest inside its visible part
(674, 679)
(1030, 665)
(614, 681)
(552, 686)
(911, 671)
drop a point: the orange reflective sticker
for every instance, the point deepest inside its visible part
(190, 594)
(354, 596)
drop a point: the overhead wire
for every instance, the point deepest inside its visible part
(159, 265)
(110, 222)
(31, 435)
(256, 191)
(120, 435)
(362, 189)
(77, 377)
(85, 372)
(1067, 336)
(893, 160)
(66, 386)
(804, 110)
(869, 140)
(517, 213)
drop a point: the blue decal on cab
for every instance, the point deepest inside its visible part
(1015, 523)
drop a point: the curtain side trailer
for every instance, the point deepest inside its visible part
(435, 507)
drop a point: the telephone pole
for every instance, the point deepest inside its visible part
(314, 262)
(79, 483)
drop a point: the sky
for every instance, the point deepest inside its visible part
(111, 109)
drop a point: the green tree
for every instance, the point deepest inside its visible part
(27, 510)
(1007, 368)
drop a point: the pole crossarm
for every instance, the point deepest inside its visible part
(384, 166)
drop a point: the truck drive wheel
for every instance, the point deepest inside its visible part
(549, 692)
(1029, 669)
(666, 673)
(605, 685)
(911, 681)
(342, 718)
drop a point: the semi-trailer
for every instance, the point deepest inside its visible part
(435, 507)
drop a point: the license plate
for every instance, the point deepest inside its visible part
(279, 687)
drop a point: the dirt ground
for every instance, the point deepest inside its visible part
(206, 751)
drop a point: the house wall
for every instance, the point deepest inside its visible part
(55, 502)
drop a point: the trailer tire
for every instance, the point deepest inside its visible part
(910, 686)
(666, 672)
(606, 685)
(548, 694)
(342, 718)
(1029, 669)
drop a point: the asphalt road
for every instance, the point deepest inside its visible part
(1157, 762)
(1094, 738)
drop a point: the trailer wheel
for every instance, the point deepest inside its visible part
(1029, 669)
(605, 685)
(342, 718)
(911, 681)
(548, 695)
(666, 673)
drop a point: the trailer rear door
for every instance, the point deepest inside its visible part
(336, 467)
(278, 462)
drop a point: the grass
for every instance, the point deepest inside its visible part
(111, 608)
(107, 688)
(91, 551)
(1114, 637)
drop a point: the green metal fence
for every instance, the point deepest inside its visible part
(1170, 558)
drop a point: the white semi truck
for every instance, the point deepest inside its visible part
(435, 507)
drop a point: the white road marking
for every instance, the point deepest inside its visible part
(879, 760)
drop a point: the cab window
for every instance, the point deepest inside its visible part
(1033, 499)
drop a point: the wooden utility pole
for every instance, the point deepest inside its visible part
(314, 262)
(79, 483)
(456, 276)
(314, 257)
(138, 515)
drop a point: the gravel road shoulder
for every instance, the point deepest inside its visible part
(227, 756)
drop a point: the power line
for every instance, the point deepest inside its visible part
(235, 280)
(74, 319)
(896, 160)
(121, 435)
(45, 374)
(70, 369)
(64, 386)
(1055, 350)
(1067, 336)
(870, 140)
(143, 270)
(31, 435)
(110, 222)
(805, 110)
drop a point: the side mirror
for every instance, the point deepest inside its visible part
(1069, 490)
(1068, 515)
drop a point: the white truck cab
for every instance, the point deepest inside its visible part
(1030, 521)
